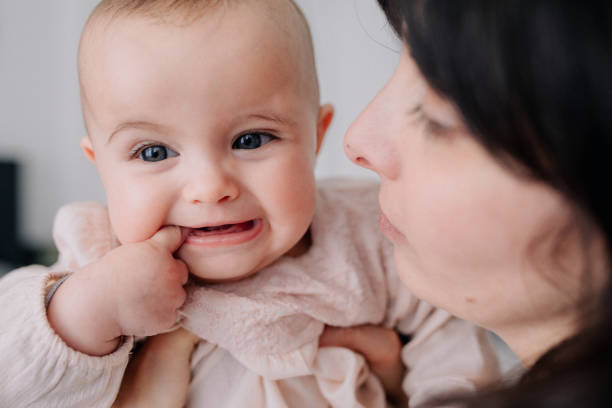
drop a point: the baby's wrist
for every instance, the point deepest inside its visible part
(81, 315)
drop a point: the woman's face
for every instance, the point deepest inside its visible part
(470, 235)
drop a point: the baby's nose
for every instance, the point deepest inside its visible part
(211, 187)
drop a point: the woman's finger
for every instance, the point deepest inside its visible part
(377, 344)
(380, 346)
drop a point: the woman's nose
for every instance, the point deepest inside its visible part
(210, 186)
(353, 146)
(368, 144)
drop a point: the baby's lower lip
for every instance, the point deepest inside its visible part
(225, 235)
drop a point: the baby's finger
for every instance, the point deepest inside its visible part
(182, 271)
(169, 237)
(179, 299)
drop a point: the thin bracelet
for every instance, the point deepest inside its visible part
(54, 289)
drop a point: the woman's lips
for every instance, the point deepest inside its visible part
(224, 235)
(389, 229)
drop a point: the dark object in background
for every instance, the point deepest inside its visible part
(9, 247)
(12, 252)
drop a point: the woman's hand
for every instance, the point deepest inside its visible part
(160, 372)
(380, 346)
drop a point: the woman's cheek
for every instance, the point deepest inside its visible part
(447, 229)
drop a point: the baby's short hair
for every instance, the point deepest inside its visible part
(188, 9)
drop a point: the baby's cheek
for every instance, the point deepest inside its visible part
(290, 205)
(134, 219)
(297, 197)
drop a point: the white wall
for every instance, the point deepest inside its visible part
(40, 118)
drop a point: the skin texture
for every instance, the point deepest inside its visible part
(192, 91)
(471, 235)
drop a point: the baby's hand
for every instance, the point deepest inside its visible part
(135, 289)
(147, 283)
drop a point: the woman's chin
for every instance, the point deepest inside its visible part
(415, 278)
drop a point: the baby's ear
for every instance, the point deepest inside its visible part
(326, 114)
(88, 149)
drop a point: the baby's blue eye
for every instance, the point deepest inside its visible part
(156, 153)
(252, 141)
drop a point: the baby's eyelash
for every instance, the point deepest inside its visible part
(136, 150)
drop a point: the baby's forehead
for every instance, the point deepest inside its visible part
(131, 63)
(283, 15)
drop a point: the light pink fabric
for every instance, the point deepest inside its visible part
(38, 368)
(260, 334)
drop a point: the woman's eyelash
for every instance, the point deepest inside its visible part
(431, 126)
(434, 127)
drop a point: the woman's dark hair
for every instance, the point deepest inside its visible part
(533, 81)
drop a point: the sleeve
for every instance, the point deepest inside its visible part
(445, 356)
(38, 368)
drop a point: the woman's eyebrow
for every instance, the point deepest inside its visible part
(136, 125)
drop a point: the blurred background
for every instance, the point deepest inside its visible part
(41, 165)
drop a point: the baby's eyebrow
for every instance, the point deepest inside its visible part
(136, 125)
(286, 121)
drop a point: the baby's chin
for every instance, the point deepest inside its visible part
(220, 277)
(218, 270)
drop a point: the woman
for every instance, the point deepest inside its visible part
(493, 143)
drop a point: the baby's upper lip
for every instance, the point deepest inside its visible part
(218, 224)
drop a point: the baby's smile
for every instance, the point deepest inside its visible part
(184, 135)
(223, 234)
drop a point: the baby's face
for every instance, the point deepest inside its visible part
(210, 127)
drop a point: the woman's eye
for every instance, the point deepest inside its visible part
(431, 126)
(156, 153)
(252, 141)
(435, 128)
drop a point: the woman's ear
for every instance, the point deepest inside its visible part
(87, 148)
(326, 114)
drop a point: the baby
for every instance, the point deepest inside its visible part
(204, 123)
